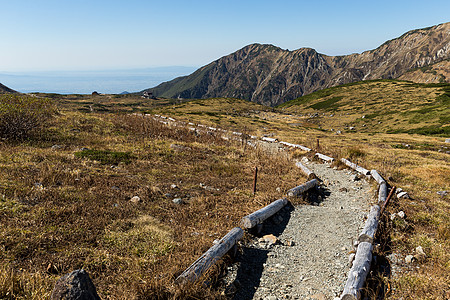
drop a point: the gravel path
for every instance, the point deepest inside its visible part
(310, 258)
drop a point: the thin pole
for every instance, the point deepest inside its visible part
(255, 178)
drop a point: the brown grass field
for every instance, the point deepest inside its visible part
(62, 208)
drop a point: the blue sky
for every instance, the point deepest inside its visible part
(39, 35)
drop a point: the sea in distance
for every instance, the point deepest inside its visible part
(85, 82)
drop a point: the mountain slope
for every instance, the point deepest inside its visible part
(269, 75)
(6, 90)
(383, 106)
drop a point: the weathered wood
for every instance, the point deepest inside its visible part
(305, 170)
(208, 259)
(324, 157)
(268, 139)
(264, 213)
(358, 273)
(370, 228)
(355, 167)
(377, 176)
(296, 146)
(382, 192)
(295, 192)
(383, 207)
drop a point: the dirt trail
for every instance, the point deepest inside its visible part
(310, 259)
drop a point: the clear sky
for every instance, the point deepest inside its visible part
(99, 34)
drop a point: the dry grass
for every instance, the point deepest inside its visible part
(60, 211)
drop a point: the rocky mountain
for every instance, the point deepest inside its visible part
(269, 75)
(6, 90)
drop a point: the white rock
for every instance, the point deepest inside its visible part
(174, 186)
(177, 201)
(401, 214)
(398, 190)
(135, 199)
(409, 259)
(403, 195)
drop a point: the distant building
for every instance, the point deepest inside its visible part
(148, 95)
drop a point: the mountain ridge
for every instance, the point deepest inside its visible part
(6, 90)
(269, 75)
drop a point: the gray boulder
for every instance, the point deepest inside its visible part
(76, 285)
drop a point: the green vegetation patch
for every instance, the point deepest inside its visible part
(326, 104)
(105, 156)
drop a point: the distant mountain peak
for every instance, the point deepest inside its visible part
(267, 74)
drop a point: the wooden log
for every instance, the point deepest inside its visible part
(264, 213)
(208, 259)
(305, 170)
(296, 146)
(355, 167)
(324, 157)
(268, 139)
(370, 228)
(295, 192)
(377, 176)
(358, 273)
(382, 193)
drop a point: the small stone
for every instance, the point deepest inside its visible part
(398, 190)
(442, 193)
(392, 216)
(447, 140)
(178, 201)
(351, 257)
(420, 254)
(135, 199)
(270, 239)
(403, 195)
(115, 188)
(173, 186)
(409, 259)
(278, 189)
(401, 214)
(289, 243)
(56, 147)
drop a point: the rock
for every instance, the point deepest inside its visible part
(398, 190)
(289, 243)
(420, 254)
(271, 298)
(135, 199)
(178, 201)
(56, 147)
(447, 140)
(401, 214)
(75, 286)
(442, 193)
(409, 259)
(270, 239)
(84, 149)
(392, 216)
(278, 189)
(173, 186)
(180, 148)
(351, 257)
(403, 195)
(305, 159)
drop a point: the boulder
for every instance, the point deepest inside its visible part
(76, 285)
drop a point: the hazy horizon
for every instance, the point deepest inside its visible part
(85, 82)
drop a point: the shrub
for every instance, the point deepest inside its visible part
(21, 115)
(106, 157)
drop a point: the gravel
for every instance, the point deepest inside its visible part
(311, 256)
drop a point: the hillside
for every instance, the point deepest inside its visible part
(269, 75)
(6, 90)
(377, 106)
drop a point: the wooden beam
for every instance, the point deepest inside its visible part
(264, 213)
(295, 192)
(370, 228)
(382, 193)
(210, 257)
(377, 176)
(324, 157)
(358, 273)
(355, 167)
(305, 170)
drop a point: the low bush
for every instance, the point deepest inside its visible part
(21, 115)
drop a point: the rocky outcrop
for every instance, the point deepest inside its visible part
(269, 75)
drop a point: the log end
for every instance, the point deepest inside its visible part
(246, 223)
(348, 297)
